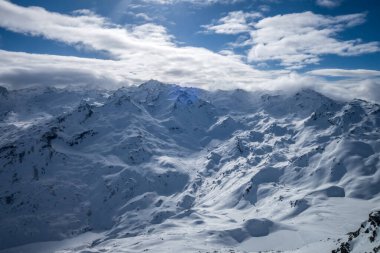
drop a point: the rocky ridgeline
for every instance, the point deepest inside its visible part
(365, 239)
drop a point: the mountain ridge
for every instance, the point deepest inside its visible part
(159, 160)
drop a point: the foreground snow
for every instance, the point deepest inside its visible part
(162, 168)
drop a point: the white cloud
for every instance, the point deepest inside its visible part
(18, 70)
(138, 53)
(367, 89)
(300, 39)
(155, 33)
(364, 73)
(234, 23)
(352, 83)
(329, 3)
(295, 40)
(264, 8)
(88, 29)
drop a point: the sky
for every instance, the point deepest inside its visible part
(331, 46)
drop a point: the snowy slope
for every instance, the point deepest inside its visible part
(365, 238)
(163, 168)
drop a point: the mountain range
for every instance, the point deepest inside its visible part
(164, 168)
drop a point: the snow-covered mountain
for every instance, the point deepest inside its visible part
(162, 168)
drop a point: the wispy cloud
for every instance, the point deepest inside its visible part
(143, 16)
(234, 23)
(329, 3)
(363, 73)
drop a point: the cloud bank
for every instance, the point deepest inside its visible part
(142, 52)
(139, 52)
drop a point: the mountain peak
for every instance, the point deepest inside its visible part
(3, 91)
(310, 93)
(152, 84)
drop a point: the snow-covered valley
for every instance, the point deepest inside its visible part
(163, 168)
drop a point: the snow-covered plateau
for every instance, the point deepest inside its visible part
(163, 168)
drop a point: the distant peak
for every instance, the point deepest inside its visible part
(151, 83)
(3, 91)
(308, 91)
(50, 89)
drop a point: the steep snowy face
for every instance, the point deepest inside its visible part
(28, 107)
(158, 167)
(365, 238)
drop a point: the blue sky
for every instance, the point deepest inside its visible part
(256, 44)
